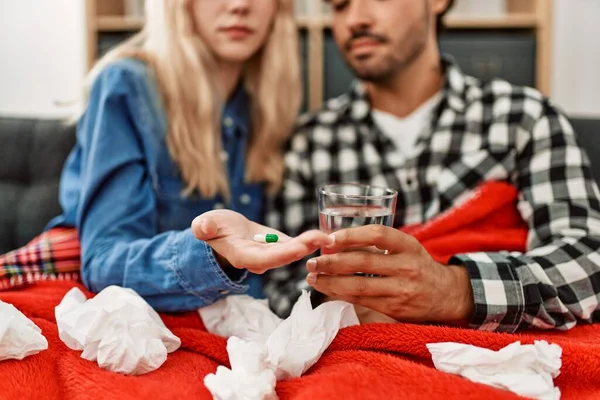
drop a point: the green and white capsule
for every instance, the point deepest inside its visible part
(266, 238)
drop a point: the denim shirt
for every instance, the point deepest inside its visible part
(121, 189)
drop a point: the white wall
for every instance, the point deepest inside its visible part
(42, 56)
(576, 57)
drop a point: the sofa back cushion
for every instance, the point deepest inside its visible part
(32, 154)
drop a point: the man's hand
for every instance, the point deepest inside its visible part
(231, 235)
(411, 286)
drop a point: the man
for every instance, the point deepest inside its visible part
(421, 126)
(416, 123)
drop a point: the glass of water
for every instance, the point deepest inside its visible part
(347, 205)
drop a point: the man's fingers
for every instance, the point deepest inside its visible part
(352, 262)
(350, 286)
(384, 237)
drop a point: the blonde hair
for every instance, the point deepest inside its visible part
(183, 67)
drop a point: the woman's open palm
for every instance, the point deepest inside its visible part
(231, 235)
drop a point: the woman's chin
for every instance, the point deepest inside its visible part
(235, 53)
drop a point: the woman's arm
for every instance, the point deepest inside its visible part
(117, 210)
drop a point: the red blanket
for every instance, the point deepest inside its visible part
(363, 362)
(487, 221)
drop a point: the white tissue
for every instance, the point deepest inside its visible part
(265, 350)
(300, 340)
(241, 316)
(527, 370)
(19, 336)
(251, 377)
(116, 328)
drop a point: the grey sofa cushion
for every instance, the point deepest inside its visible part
(588, 136)
(32, 153)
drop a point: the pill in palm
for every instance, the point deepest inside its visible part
(266, 238)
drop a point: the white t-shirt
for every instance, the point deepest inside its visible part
(404, 131)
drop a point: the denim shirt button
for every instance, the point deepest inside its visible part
(224, 156)
(245, 199)
(228, 122)
(218, 206)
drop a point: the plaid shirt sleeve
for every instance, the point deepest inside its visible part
(293, 211)
(556, 283)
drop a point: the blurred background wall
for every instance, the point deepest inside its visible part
(576, 56)
(43, 56)
(46, 47)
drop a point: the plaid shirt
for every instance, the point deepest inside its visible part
(479, 132)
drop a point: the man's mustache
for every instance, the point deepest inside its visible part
(361, 35)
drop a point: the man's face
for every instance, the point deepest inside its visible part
(379, 38)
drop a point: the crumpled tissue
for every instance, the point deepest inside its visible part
(266, 349)
(19, 336)
(116, 328)
(241, 316)
(527, 370)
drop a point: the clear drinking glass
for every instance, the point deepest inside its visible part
(346, 205)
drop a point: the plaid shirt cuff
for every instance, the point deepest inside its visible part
(497, 291)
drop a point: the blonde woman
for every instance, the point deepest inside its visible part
(188, 116)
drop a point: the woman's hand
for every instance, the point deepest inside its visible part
(231, 236)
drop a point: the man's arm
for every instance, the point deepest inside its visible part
(556, 283)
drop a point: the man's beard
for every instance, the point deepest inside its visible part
(389, 66)
(398, 59)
